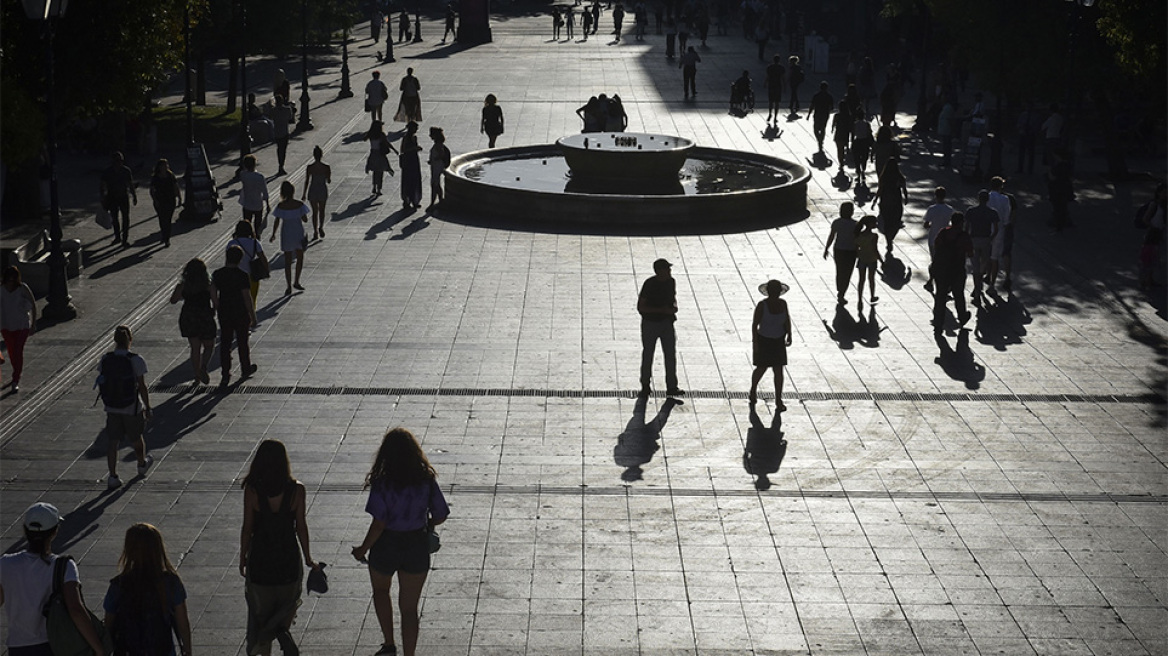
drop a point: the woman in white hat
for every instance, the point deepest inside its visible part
(26, 581)
(771, 330)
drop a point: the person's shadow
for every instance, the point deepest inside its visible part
(843, 328)
(81, 522)
(958, 364)
(894, 273)
(821, 161)
(868, 329)
(765, 449)
(1002, 322)
(639, 441)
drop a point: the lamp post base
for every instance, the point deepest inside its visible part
(60, 311)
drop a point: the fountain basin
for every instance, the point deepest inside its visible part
(624, 156)
(534, 183)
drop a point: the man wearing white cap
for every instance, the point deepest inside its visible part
(26, 581)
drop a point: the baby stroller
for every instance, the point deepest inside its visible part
(741, 96)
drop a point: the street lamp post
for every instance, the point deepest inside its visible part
(244, 131)
(60, 305)
(305, 122)
(1077, 7)
(346, 89)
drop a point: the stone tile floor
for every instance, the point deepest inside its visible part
(1004, 498)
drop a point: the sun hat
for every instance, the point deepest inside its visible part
(764, 288)
(41, 517)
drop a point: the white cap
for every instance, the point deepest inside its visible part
(41, 517)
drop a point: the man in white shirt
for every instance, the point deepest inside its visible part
(375, 94)
(936, 219)
(1004, 239)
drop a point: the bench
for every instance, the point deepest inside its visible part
(32, 258)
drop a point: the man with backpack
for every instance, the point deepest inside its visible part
(121, 381)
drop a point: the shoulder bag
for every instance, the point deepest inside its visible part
(64, 638)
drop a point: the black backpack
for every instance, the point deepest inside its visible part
(143, 629)
(117, 385)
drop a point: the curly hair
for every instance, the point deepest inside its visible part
(400, 461)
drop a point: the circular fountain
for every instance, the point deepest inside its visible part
(625, 178)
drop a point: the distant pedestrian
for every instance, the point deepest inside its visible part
(405, 503)
(640, 20)
(273, 543)
(246, 238)
(165, 193)
(376, 18)
(771, 335)
(403, 27)
(196, 320)
(794, 78)
(775, 74)
(1003, 244)
(867, 84)
(936, 219)
(231, 291)
(585, 23)
(1027, 129)
(411, 168)
(450, 29)
(378, 161)
(884, 149)
(670, 36)
(26, 583)
(1060, 190)
(146, 603)
(867, 256)
(282, 115)
(491, 123)
(861, 147)
(892, 195)
(409, 108)
(841, 133)
(121, 377)
(761, 37)
(18, 316)
(618, 17)
(281, 86)
(376, 93)
(117, 189)
(945, 126)
(982, 224)
(595, 16)
(438, 160)
(292, 214)
(569, 23)
(821, 105)
(557, 23)
(682, 33)
(689, 72)
(317, 178)
(657, 305)
(253, 193)
(843, 236)
(950, 252)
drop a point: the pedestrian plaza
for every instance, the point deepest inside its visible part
(1001, 491)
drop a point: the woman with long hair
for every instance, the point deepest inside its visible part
(244, 237)
(273, 522)
(411, 167)
(492, 120)
(379, 149)
(892, 194)
(316, 181)
(405, 502)
(196, 321)
(145, 606)
(293, 214)
(165, 193)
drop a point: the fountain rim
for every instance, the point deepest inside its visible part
(684, 145)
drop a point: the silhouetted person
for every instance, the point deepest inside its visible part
(821, 105)
(843, 236)
(376, 93)
(982, 224)
(775, 74)
(657, 304)
(689, 72)
(618, 17)
(117, 188)
(952, 248)
(491, 123)
(771, 335)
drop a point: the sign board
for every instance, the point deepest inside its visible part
(202, 198)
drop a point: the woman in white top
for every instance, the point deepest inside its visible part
(293, 214)
(17, 319)
(771, 331)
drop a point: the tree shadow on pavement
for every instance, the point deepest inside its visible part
(765, 449)
(958, 363)
(1002, 322)
(639, 441)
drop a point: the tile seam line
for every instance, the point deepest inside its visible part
(15, 421)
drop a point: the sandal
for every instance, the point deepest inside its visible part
(387, 650)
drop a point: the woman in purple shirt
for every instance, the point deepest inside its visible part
(405, 501)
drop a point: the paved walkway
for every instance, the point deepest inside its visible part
(1006, 495)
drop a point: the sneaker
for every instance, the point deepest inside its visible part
(113, 483)
(142, 468)
(675, 392)
(387, 650)
(250, 371)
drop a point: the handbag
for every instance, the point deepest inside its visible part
(317, 579)
(435, 541)
(259, 267)
(64, 638)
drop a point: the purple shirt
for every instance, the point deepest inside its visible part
(407, 508)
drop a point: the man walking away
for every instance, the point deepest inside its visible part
(657, 304)
(936, 219)
(689, 72)
(1004, 240)
(117, 188)
(282, 115)
(949, 254)
(821, 105)
(121, 381)
(231, 289)
(375, 95)
(982, 225)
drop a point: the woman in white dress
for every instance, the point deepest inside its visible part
(291, 214)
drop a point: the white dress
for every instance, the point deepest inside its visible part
(292, 227)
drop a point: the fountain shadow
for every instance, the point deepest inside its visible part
(715, 226)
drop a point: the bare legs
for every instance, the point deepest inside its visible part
(200, 357)
(871, 271)
(757, 376)
(299, 255)
(409, 593)
(317, 218)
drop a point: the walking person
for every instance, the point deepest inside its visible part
(121, 379)
(884, 149)
(795, 78)
(771, 335)
(557, 23)
(569, 22)
(670, 36)
(861, 148)
(411, 168)
(405, 503)
(231, 294)
(936, 219)
(450, 29)
(146, 603)
(775, 73)
(843, 236)
(841, 133)
(282, 116)
(318, 176)
(196, 320)
(376, 93)
(945, 120)
(491, 123)
(253, 193)
(117, 189)
(585, 22)
(1003, 243)
(982, 224)
(821, 105)
(165, 193)
(293, 214)
(953, 247)
(375, 21)
(891, 194)
(689, 72)
(409, 108)
(18, 317)
(245, 237)
(682, 33)
(867, 256)
(657, 305)
(403, 27)
(378, 161)
(26, 582)
(618, 17)
(272, 542)
(438, 160)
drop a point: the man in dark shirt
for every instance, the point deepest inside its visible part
(950, 251)
(981, 222)
(231, 288)
(821, 105)
(657, 304)
(117, 188)
(774, 84)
